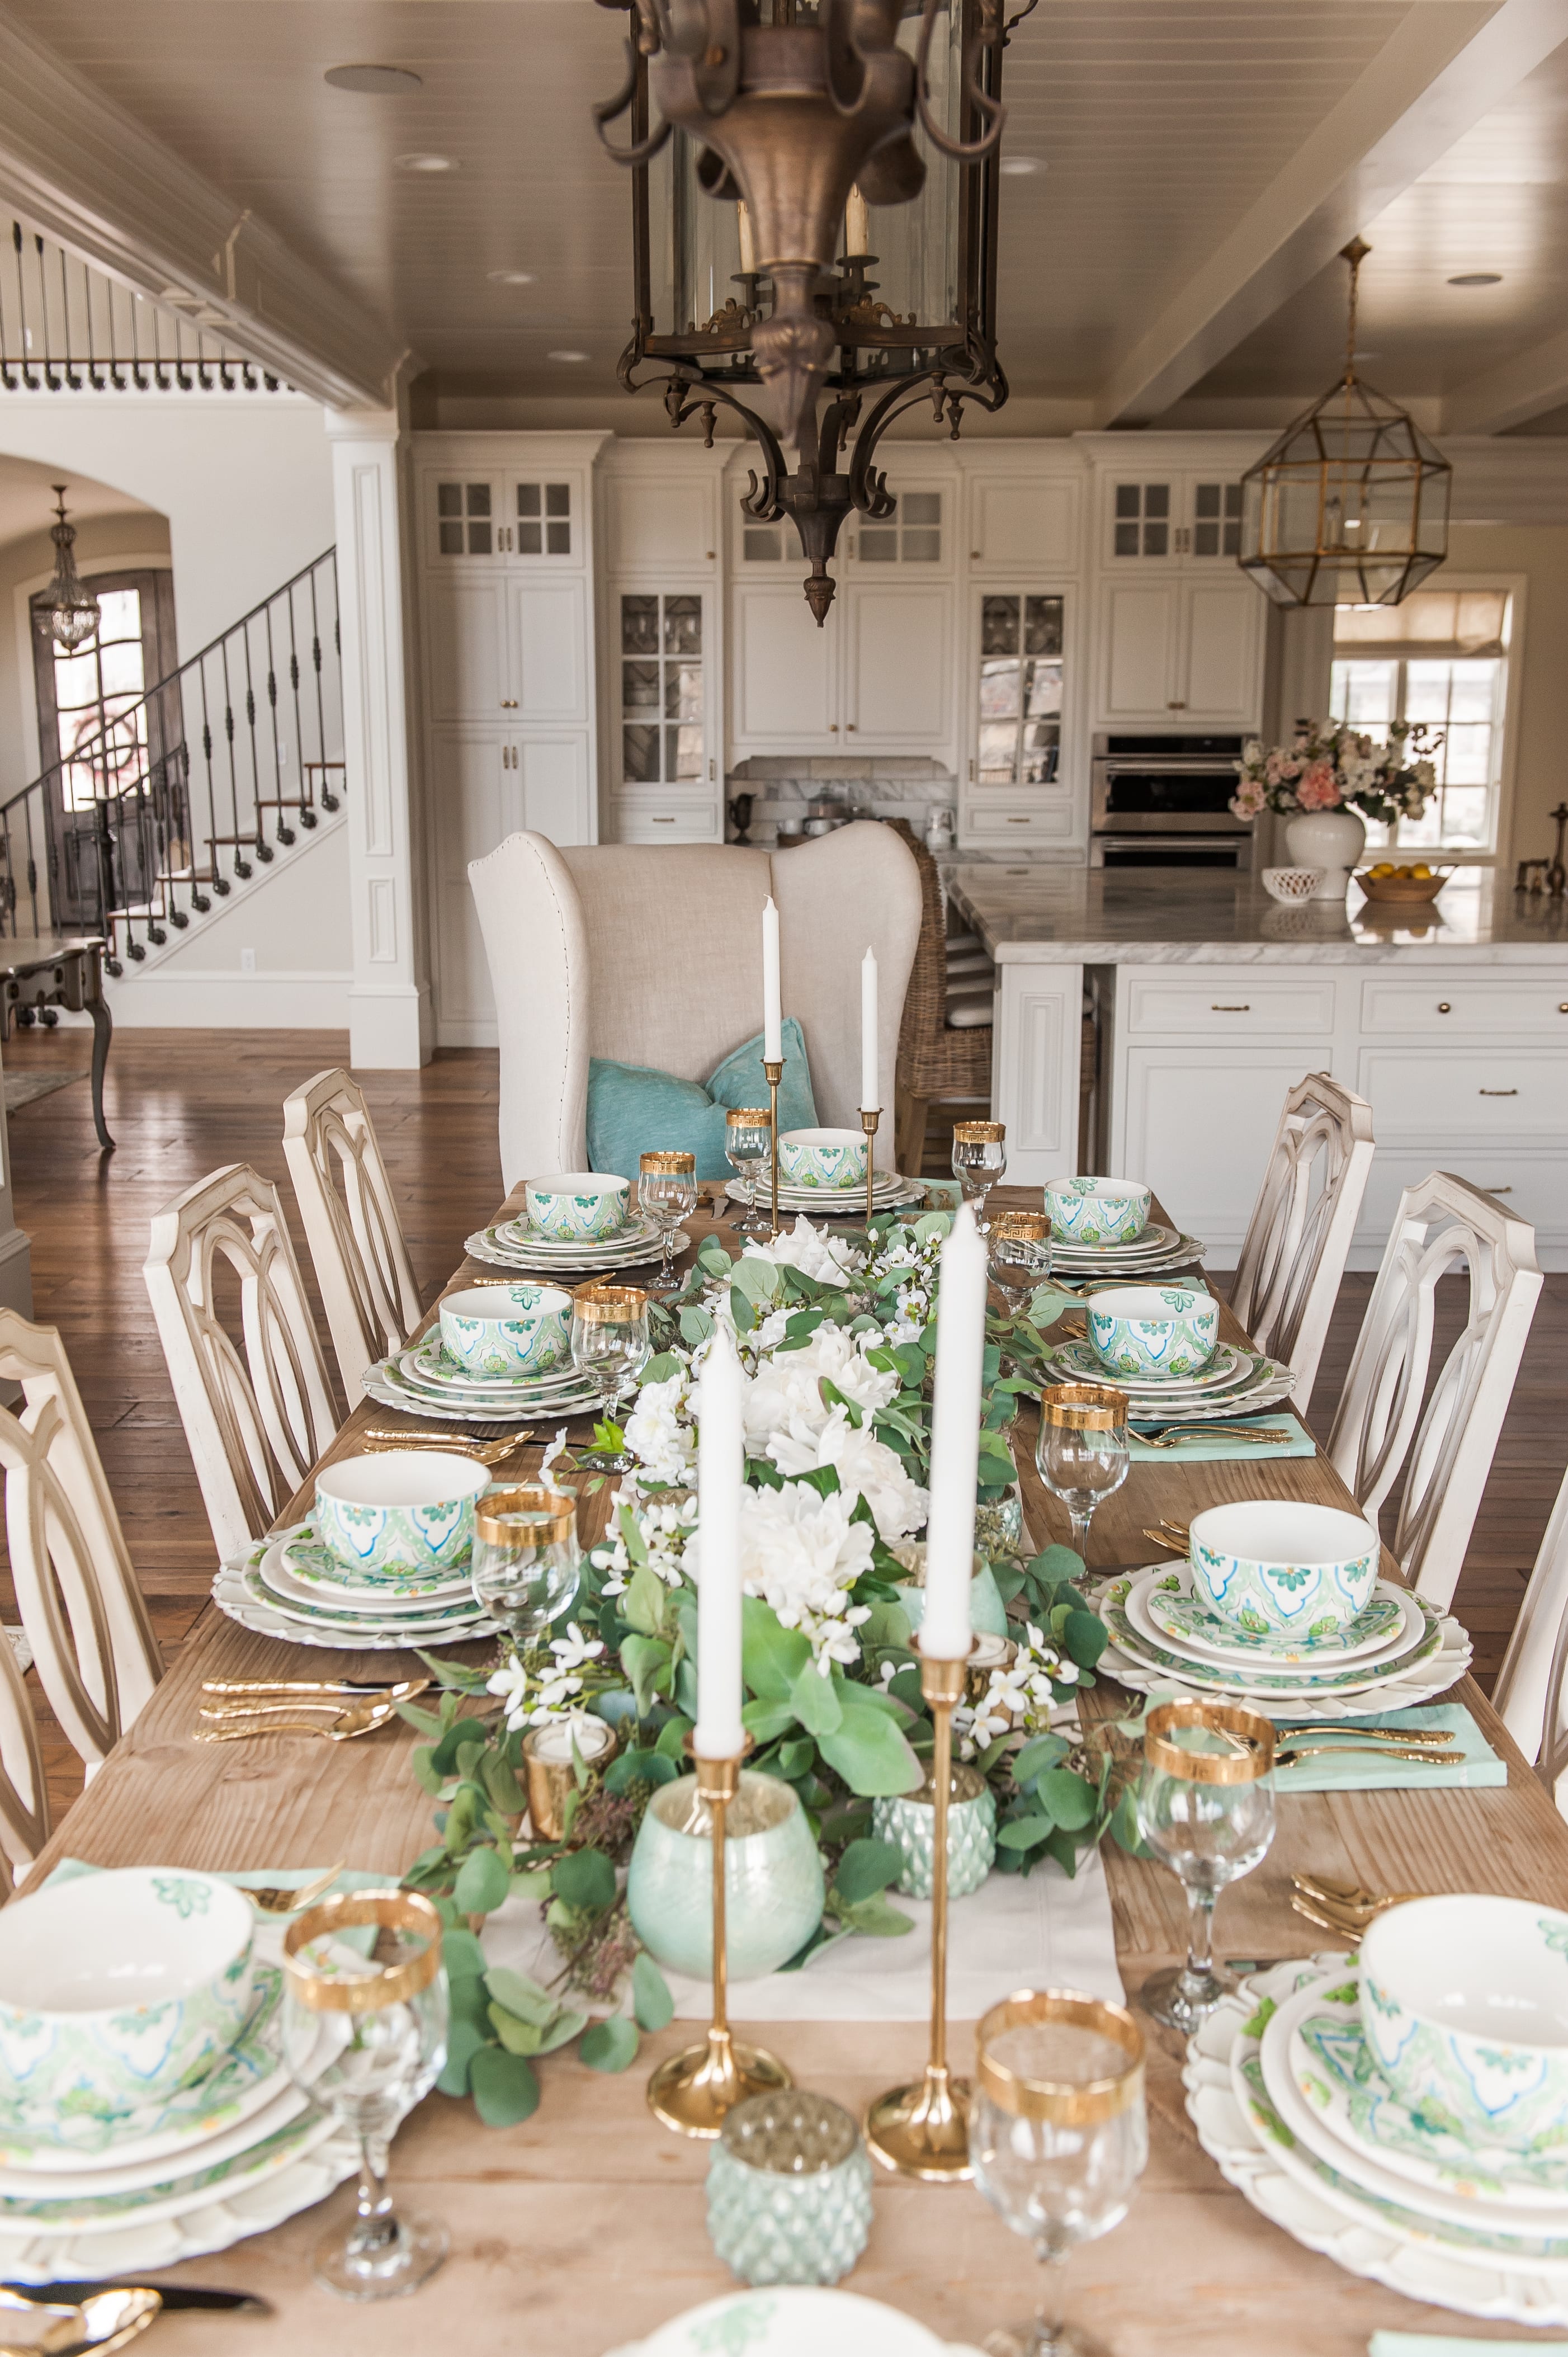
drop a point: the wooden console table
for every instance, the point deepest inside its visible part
(35, 974)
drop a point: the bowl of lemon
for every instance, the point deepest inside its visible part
(1391, 881)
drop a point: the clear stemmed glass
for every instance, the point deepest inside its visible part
(365, 2037)
(1081, 1453)
(609, 1345)
(667, 1192)
(749, 1141)
(1205, 1806)
(1020, 1246)
(526, 1562)
(1058, 2139)
(979, 1159)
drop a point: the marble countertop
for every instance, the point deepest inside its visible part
(1091, 916)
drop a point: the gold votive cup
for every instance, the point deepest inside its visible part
(551, 1781)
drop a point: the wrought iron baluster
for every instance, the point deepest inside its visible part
(28, 378)
(263, 848)
(284, 833)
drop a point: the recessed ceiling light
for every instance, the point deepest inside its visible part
(1018, 168)
(567, 356)
(1478, 278)
(425, 164)
(375, 82)
(509, 277)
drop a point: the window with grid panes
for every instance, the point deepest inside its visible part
(544, 519)
(1142, 520)
(464, 525)
(661, 688)
(1440, 658)
(1020, 690)
(912, 536)
(1217, 520)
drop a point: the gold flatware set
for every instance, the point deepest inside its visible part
(485, 1452)
(349, 1708)
(1346, 1909)
(1173, 1434)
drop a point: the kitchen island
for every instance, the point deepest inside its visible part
(1209, 1001)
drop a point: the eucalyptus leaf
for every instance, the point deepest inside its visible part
(1025, 1832)
(1085, 1637)
(483, 1882)
(817, 1701)
(643, 1607)
(1044, 1752)
(764, 1721)
(772, 1656)
(671, 1742)
(866, 1868)
(462, 1954)
(659, 1369)
(561, 2030)
(463, 2041)
(795, 1758)
(502, 1785)
(877, 1917)
(651, 1998)
(610, 2045)
(870, 1753)
(505, 2087)
(695, 1327)
(1068, 1797)
(646, 1661)
(523, 1997)
(640, 1767)
(585, 1878)
(516, 2037)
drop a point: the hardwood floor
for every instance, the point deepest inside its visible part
(183, 1103)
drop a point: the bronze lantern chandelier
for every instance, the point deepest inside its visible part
(790, 242)
(1350, 506)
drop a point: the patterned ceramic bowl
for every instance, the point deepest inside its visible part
(833, 1160)
(116, 1990)
(402, 1510)
(1277, 1564)
(578, 1205)
(1465, 2005)
(1097, 1211)
(1153, 1330)
(1290, 884)
(773, 1881)
(509, 1329)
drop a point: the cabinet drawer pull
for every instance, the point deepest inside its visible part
(1443, 1008)
(663, 822)
(1017, 821)
(509, 703)
(1215, 1007)
(1496, 1190)
(1562, 1009)
(1498, 1093)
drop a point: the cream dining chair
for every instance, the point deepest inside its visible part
(24, 1813)
(1287, 1278)
(1444, 1449)
(1530, 1694)
(654, 957)
(351, 1224)
(256, 1411)
(82, 1604)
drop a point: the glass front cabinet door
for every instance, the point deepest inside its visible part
(1018, 789)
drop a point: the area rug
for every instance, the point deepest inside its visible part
(23, 1088)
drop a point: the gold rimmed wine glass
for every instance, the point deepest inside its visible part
(527, 1562)
(1058, 2139)
(609, 1345)
(1020, 1251)
(1081, 1453)
(749, 1139)
(979, 1159)
(1206, 1806)
(667, 1193)
(365, 2037)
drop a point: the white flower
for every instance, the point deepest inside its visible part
(827, 1259)
(866, 1468)
(801, 1553)
(786, 1393)
(660, 1437)
(663, 1525)
(512, 1680)
(574, 1649)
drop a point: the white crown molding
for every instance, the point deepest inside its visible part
(84, 171)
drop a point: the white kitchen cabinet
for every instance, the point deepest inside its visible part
(1196, 1123)
(1017, 782)
(1026, 524)
(898, 667)
(784, 676)
(1181, 648)
(1036, 1046)
(549, 657)
(661, 520)
(1159, 516)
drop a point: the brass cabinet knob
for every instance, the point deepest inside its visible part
(1443, 1008)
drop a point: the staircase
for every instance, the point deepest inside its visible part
(172, 798)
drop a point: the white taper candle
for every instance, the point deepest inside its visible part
(720, 1469)
(772, 1017)
(945, 1630)
(870, 1094)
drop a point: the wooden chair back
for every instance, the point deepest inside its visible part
(256, 1409)
(351, 1224)
(1530, 1692)
(1444, 1448)
(25, 1818)
(1287, 1278)
(78, 1594)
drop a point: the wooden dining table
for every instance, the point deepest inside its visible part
(585, 2227)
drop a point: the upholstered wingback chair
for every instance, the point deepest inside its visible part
(654, 956)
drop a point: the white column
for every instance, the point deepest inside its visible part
(389, 999)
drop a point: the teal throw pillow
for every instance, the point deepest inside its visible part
(634, 1110)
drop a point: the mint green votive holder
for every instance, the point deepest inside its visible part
(909, 1821)
(788, 2190)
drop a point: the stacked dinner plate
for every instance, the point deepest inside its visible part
(888, 1193)
(293, 1586)
(1158, 1249)
(425, 1380)
(1165, 1638)
(514, 1243)
(99, 2183)
(1288, 2097)
(1236, 1382)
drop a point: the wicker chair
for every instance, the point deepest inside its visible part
(938, 1063)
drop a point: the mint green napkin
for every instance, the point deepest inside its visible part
(1476, 1765)
(1201, 1451)
(1429, 2344)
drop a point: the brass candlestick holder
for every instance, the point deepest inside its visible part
(773, 1073)
(870, 1123)
(691, 2091)
(923, 2130)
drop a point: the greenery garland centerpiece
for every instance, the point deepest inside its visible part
(837, 1337)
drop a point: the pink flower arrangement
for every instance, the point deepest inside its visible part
(1330, 766)
(1316, 787)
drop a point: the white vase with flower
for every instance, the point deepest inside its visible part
(1328, 783)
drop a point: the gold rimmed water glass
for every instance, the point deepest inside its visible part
(1058, 2139)
(364, 2036)
(1206, 1806)
(527, 1562)
(748, 1140)
(609, 1347)
(979, 1159)
(667, 1194)
(1020, 1252)
(1081, 1453)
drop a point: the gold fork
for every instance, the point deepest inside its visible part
(1175, 1434)
(360, 1718)
(1350, 1899)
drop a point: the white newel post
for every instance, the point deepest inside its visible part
(389, 999)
